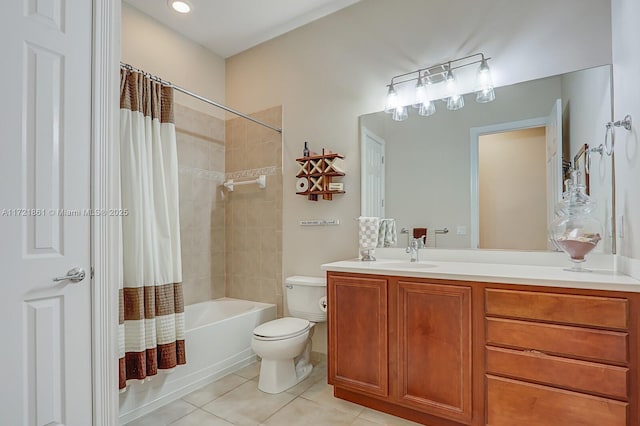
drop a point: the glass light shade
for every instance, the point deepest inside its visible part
(485, 95)
(484, 84)
(421, 94)
(400, 113)
(427, 109)
(455, 100)
(392, 100)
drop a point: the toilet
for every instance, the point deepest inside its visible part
(284, 344)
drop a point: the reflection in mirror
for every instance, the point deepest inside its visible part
(491, 173)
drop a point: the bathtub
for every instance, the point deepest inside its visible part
(217, 341)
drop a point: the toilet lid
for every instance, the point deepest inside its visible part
(281, 328)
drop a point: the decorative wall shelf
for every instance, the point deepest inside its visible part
(319, 172)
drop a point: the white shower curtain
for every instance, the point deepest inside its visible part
(151, 303)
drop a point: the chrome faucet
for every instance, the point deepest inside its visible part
(414, 249)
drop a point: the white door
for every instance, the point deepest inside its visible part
(554, 161)
(373, 173)
(45, 113)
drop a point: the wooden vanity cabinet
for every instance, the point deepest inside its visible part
(404, 344)
(451, 353)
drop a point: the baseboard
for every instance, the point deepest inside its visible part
(318, 357)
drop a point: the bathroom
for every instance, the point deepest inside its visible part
(314, 82)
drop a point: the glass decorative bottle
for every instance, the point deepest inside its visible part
(575, 230)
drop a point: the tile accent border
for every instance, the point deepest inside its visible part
(254, 173)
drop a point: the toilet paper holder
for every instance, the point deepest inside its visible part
(322, 302)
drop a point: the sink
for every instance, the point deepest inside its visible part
(406, 265)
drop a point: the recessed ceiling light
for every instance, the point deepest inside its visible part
(180, 6)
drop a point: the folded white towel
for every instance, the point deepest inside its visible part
(368, 232)
(387, 236)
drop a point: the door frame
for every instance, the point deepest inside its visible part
(364, 132)
(105, 230)
(475, 133)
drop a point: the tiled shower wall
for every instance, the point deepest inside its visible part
(253, 215)
(201, 161)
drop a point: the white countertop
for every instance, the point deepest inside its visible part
(551, 276)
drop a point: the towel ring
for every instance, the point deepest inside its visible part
(609, 141)
(610, 134)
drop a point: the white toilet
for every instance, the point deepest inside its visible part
(284, 344)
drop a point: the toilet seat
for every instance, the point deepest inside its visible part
(281, 329)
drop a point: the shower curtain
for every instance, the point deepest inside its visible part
(151, 304)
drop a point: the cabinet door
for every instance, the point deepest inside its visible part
(434, 333)
(358, 342)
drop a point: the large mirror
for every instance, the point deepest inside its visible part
(489, 175)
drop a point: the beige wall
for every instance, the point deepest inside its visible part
(156, 49)
(512, 190)
(626, 72)
(329, 72)
(254, 215)
(201, 156)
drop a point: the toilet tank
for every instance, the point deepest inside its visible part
(306, 297)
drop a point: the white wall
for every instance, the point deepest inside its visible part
(153, 47)
(586, 98)
(626, 80)
(329, 72)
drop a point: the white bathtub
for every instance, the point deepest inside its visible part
(217, 341)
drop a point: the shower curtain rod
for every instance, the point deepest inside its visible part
(195, 95)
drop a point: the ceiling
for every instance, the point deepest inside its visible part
(227, 27)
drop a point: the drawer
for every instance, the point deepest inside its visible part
(600, 345)
(562, 308)
(582, 376)
(511, 402)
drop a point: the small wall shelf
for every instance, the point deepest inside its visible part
(319, 171)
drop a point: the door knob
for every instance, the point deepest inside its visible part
(74, 275)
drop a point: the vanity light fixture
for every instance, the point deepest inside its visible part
(438, 82)
(180, 6)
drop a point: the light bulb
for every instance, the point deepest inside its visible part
(392, 100)
(484, 84)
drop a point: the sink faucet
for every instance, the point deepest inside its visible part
(413, 249)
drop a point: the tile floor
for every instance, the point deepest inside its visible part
(236, 400)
